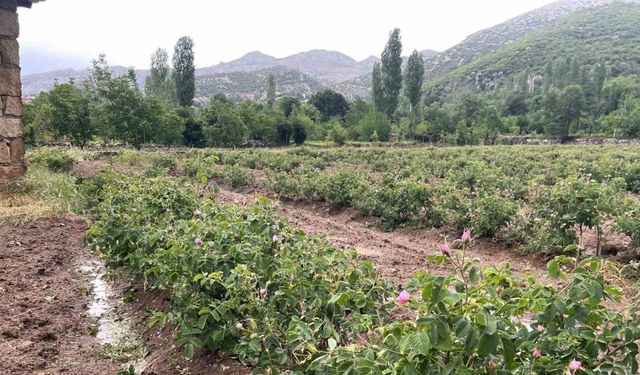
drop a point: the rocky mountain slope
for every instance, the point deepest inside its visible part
(602, 32)
(252, 85)
(494, 38)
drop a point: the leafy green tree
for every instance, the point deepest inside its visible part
(572, 101)
(391, 72)
(289, 105)
(330, 104)
(377, 91)
(357, 111)
(374, 122)
(261, 125)
(337, 133)
(184, 71)
(70, 114)
(299, 125)
(36, 117)
(616, 90)
(223, 125)
(171, 129)
(156, 82)
(130, 116)
(413, 79)
(625, 121)
(271, 91)
(193, 134)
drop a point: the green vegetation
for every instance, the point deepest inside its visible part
(247, 284)
(540, 199)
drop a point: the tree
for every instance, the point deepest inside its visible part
(36, 117)
(376, 88)
(192, 135)
(184, 71)
(330, 104)
(171, 129)
(572, 102)
(413, 79)
(261, 125)
(271, 91)
(374, 122)
(391, 72)
(222, 124)
(159, 82)
(299, 125)
(70, 114)
(130, 117)
(561, 109)
(289, 105)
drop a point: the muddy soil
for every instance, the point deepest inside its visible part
(44, 300)
(46, 325)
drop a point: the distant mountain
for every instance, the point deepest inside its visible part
(33, 84)
(36, 59)
(326, 66)
(246, 77)
(252, 85)
(494, 38)
(591, 32)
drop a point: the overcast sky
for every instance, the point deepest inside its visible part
(128, 31)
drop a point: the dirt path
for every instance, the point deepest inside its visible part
(44, 297)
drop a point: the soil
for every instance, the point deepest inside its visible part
(42, 329)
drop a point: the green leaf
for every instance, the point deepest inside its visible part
(189, 350)
(488, 345)
(474, 275)
(509, 353)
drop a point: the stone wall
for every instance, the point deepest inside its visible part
(12, 163)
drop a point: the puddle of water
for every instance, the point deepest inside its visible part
(114, 328)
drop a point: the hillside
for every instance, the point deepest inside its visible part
(609, 33)
(326, 66)
(490, 40)
(238, 86)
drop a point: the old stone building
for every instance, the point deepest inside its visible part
(12, 162)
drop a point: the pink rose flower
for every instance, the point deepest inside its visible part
(197, 213)
(466, 235)
(575, 365)
(198, 242)
(537, 353)
(263, 292)
(492, 364)
(444, 249)
(404, 297)
(540, 329)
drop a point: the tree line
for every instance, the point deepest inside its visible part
(569, 97)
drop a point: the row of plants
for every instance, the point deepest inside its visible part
(242, 280)
(539, 199)
(247, 284)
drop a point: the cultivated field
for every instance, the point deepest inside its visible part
(370, 260)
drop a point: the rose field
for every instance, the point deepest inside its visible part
(313, 260)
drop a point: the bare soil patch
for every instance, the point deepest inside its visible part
(42, 329)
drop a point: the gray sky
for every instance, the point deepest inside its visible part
(128, 31)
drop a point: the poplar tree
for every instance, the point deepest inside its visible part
(391, 72)
(414, 75)
(184, 71)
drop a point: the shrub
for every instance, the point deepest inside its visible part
(237, 177)
(52, 159)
